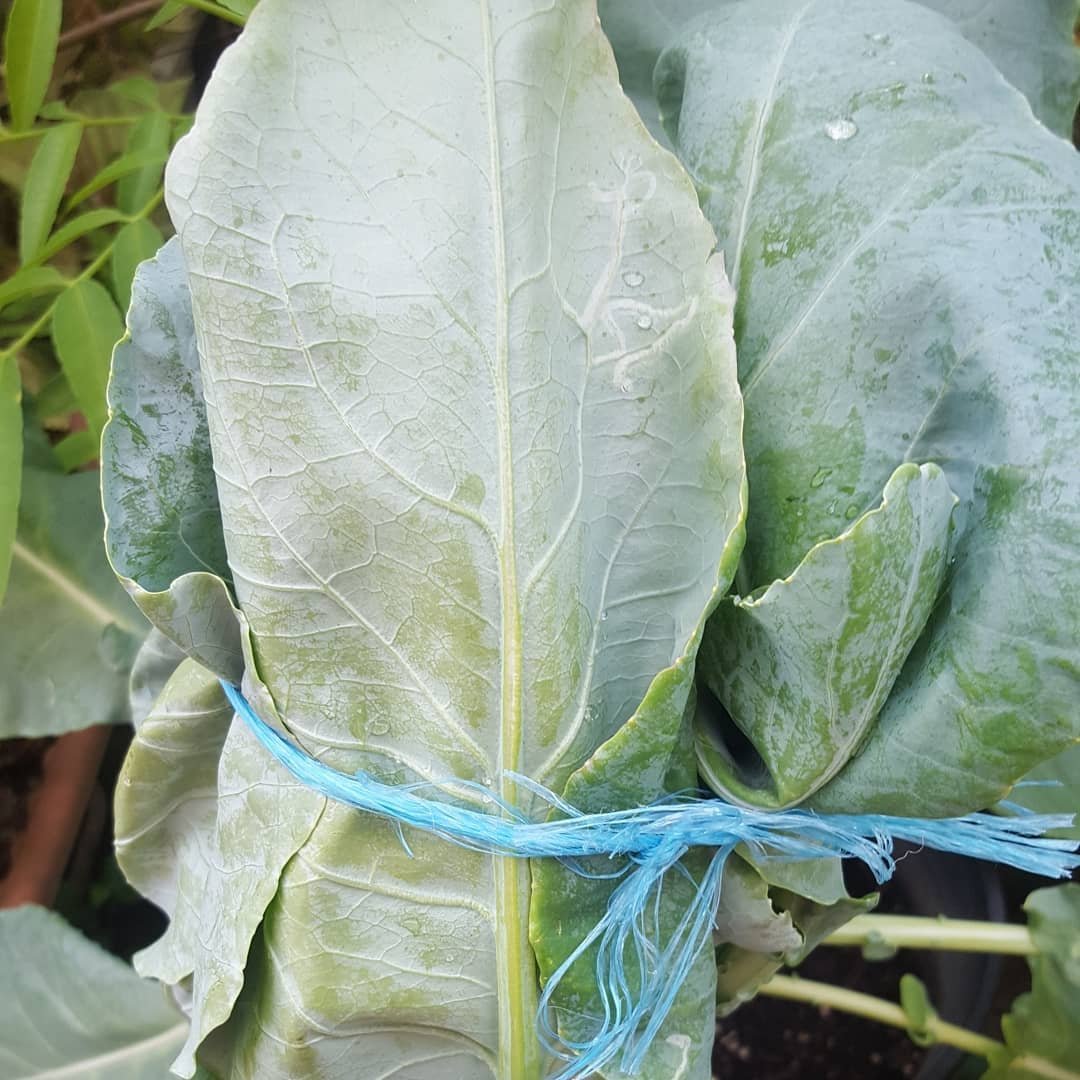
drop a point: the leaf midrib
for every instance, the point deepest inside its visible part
(515, 973)
(135, 1050)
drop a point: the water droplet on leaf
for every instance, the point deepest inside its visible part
(644, 322)
(633, 278)
(851, 512)
(928, 78)
(820, 477)
(840, 130)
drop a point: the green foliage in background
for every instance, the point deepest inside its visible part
(91, 117)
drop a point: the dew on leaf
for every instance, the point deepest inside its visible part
(644, 322)
(633, 278)
(820, 477)
(841, 129)
(851, 512)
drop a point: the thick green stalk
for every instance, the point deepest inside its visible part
(916, 932)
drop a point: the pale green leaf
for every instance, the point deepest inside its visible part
(85, 327)
(45, 183)
(905, 240)
(68, 1008)
(134, 243)
(138, 163)
(154, 664)
(150, 136)
(69, 631)
(75, 229)
(1032, 43)
(29, 282)
(804, 666)
(193, 788)
(762, 929)
(30, 36)
(10, 463)
(164, 534)
(478, 465)
(1034, 46)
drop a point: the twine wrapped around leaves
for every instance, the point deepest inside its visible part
(648, 841)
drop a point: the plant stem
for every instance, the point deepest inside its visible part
(792, 988)
(38, 325)
(955, 935)
(106, 20)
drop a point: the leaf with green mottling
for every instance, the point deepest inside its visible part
(68, 1008)
(905, 241)
(193, 787)
(70, 634)
(164, 534)
(85, 327)
(466, 516)
(1032, 42)
(30, 37)
(45, 182)
(804, 666)
(1034, 46)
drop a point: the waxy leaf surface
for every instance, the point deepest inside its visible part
(904, 238)
(476, 435)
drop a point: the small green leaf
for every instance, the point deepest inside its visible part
(135, 242)
(141, 91)
(165, 14)
(86, 325)
(915, 1002)
(150, 135)
(10, 463)
(77, 449)
(121, 167)
(54, 398)
(29, 282)
(33, 28)
(45, 183)
(76, 228)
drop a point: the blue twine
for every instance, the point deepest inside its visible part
(653, 839)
